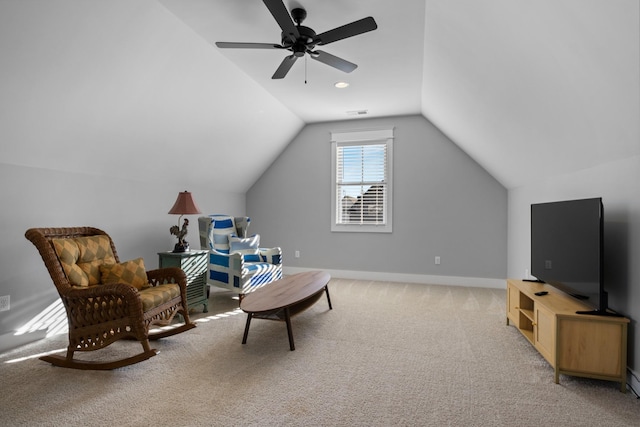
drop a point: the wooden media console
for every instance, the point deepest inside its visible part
(574, 344)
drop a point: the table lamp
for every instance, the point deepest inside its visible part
(184, 205)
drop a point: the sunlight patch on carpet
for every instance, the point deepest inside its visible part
(35, 356)
(218, 316)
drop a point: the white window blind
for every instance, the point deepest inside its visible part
(361, 180)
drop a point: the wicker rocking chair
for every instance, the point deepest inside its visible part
(103, 303)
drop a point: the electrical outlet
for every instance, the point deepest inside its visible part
(437, 260)
(4, 303)
(297, 254)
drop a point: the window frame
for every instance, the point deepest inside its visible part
(363, 137)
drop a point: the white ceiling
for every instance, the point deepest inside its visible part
(532, 89)
(528, 89)
(389, 74)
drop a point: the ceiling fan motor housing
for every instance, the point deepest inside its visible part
(307, 41)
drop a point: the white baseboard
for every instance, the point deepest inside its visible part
(473, 282)
(11, 340)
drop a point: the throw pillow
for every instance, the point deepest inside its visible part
(130, 272)
(247, 246)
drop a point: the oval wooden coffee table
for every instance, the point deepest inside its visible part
(285, 298)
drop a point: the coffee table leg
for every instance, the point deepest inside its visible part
(326, 288)
(246, 328)
(287, 318)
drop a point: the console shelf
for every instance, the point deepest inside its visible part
(573, 344)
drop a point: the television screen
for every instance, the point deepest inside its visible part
(567, 248)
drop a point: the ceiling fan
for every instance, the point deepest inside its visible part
(299, 39)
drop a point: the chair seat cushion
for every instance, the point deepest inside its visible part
(154, 296)
(257, 267)
(258, 274)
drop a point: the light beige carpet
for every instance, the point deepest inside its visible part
(387, 354)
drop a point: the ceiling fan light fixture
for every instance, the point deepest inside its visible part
(341, 85)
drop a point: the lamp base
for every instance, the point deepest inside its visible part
(181, 247)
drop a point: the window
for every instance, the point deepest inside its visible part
(361, 181)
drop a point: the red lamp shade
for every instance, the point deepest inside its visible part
(184, 205)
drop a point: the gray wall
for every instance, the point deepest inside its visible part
(107, 114)
(133, 213)
(444, 204)
(618, 183)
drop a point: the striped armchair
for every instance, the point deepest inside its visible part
(236, 262)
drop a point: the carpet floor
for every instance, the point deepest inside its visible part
(387, 354)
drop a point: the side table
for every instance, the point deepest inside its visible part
(194, 265)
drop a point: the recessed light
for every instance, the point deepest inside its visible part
(341, 85)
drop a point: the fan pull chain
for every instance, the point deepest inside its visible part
(305, 69)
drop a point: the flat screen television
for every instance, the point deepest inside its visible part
(567, 249)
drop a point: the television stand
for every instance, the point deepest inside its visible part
(599, 313)
(583, 345)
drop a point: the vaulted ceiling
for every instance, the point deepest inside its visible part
(527, 88)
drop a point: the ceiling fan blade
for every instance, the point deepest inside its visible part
(355, 28)
(284, 67)
(282, 17)
(234, 45)
(334, 61)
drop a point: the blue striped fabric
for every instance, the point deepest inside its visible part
(223, 227)
(216, 259)
(218, 276)
(216, 229)
(240, 272)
